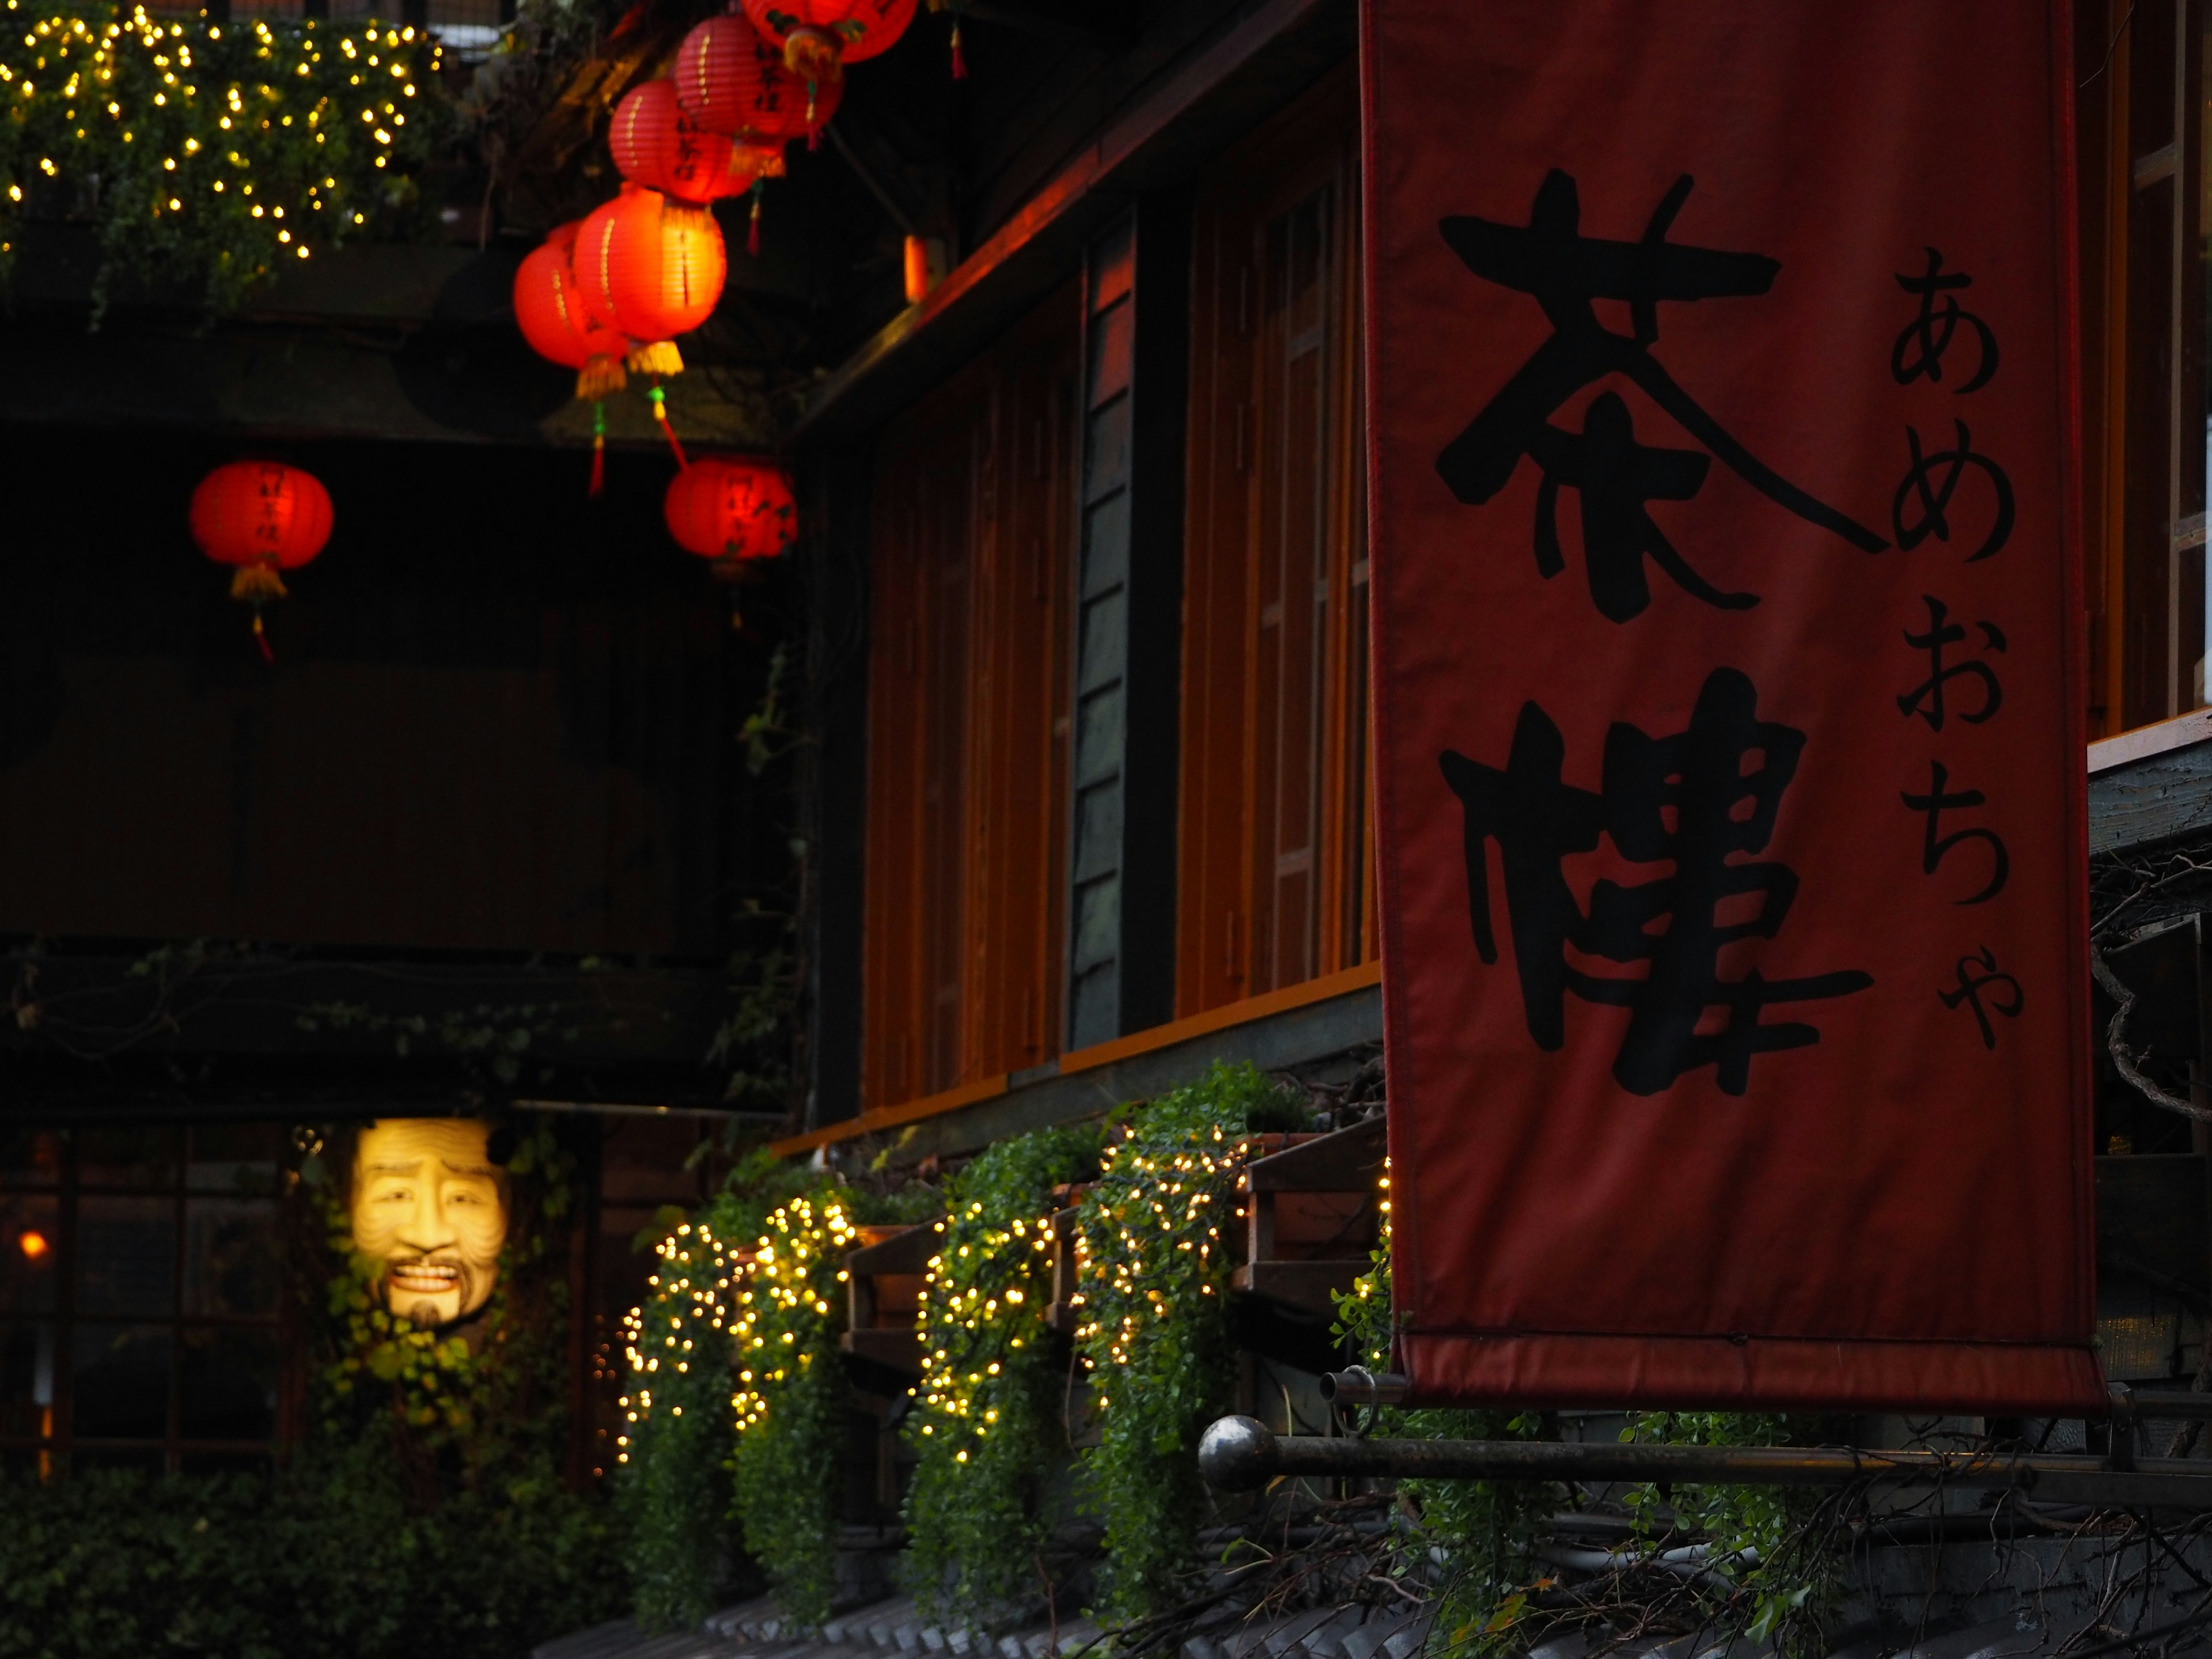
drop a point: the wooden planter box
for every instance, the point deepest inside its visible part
(882, 1289)
(1312, 1214)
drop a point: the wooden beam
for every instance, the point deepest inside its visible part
(1275, 51)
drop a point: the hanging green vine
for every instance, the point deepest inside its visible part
(673, 1453)
(986, 1423)
(1155, 1335)
(211, 151)
(789, 1402)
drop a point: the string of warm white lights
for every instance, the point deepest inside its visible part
(218, 149)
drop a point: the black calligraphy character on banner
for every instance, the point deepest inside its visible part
(1618, 477)
(1686, 799)
(1933, 504)
(1927, 699)
(1566, 273)
(1940, 798)
(1973, 984)
(1921, 348)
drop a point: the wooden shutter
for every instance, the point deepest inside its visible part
(1276, 857)
(967, 720)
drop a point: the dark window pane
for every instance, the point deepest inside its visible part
(30, 1158)
(127, 1158)
(120, 1382)
(228, 1384)
(27, 1380)
(234, 1157)
(30, 1230)
(126, 1256)
(230, 1257)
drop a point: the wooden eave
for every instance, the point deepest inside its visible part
(1271, 51)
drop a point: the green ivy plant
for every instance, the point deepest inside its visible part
(789, 1401)
(673, 1455)
(214, 152)
(985, 1426)
(672, 1481)
(1155, 1333)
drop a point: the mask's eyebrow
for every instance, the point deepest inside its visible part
(483, 1169)
(396, 1169)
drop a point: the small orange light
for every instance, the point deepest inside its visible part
(917, 271)
(33, 1245)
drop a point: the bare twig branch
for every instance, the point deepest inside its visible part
(2115, 1044)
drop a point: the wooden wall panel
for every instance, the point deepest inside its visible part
(967, 720)
(1275, 873)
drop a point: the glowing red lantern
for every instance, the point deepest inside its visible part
(655, 144)
(651, 268)
(818, 38)
(548, 305)
(730, 80)
(732, 508)
(265, 518)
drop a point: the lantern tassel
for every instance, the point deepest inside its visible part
(261, 639)
(599, 376)
(959, 59)
(752, 224)
(256, 584)
(813, 130)
(659, 358)
(598, 448)
(661, 413)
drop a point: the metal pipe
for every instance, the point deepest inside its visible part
(1240, 1454)
(1360, 1387)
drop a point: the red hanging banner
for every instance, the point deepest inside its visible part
(1729, 703)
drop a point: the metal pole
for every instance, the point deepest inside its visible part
(1240, 1454)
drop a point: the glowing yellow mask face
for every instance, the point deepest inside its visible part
(429, 1204)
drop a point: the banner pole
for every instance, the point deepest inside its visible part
(1240, 1454)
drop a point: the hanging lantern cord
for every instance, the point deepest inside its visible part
(752, 223)
(661, 413)
(599, 446)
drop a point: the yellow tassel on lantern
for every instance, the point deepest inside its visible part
(814, 54)
(599, 377)
(257, 584)
(660, 357)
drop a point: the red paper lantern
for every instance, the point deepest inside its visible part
(651, 268)
(730, 80)
(819, 37)
(732, 508)
(263, 516)
(548, 305)
(655, 144)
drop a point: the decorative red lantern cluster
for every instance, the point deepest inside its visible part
(263, 518)
(732, 508)
(657, 145)
(818, 38)
(613, 292)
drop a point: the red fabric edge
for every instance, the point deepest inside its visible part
(2079, 1014)
(1769, 1373)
